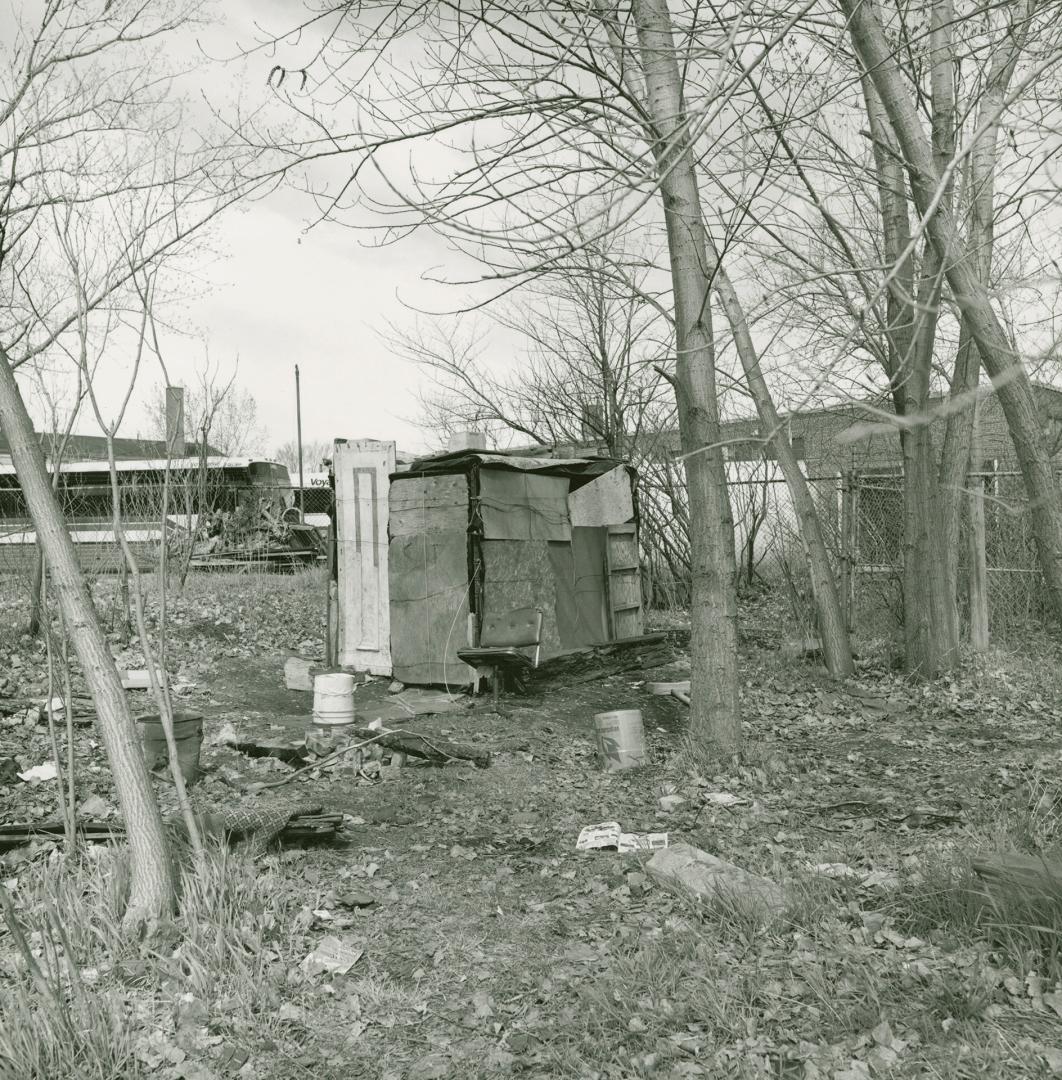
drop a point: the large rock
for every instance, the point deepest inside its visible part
(688, 869)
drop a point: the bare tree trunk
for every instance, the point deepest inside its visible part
(906, 350)
(931, 623)
(836, 647)
(978, 591)
(1000, 360)
(955, 454)
(715, 710)
(201, 479)
(980, 192)
(930, 617)
(33, 627)
(151, 893)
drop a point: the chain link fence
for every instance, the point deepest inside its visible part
(861, 518)
(862, 521)
(1014, 585)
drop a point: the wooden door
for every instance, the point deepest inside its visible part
(624, 582)
(362, 470)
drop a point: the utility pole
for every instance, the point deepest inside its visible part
(298, 422)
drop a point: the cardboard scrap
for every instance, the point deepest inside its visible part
(609, 836)
(38, 774)
(695, 872)
(331, 955)
(298, 673)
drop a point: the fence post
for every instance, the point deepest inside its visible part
(847, 542)
(978, 581)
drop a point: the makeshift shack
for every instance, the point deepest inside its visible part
(426, 552)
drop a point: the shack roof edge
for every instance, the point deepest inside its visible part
(464, 460)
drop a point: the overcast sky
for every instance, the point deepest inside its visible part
(284, 294)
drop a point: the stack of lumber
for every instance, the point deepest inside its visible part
(614, 658)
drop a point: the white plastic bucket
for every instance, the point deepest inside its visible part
(333, 699)
(620, 739)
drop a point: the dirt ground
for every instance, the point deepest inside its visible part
(490, 947)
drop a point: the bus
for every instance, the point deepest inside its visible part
(315, 499)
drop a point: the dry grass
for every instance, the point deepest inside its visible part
(81, 1000)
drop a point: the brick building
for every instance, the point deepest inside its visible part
(818, 435)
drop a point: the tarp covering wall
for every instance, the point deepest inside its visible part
(577, 469)
(565, 579)
(523, 506)
(428, 555)
(579, 579)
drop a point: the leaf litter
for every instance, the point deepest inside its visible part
(484, 945)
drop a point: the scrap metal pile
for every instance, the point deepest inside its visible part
(257, 537)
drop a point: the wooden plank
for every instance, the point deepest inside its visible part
(429, 607)
(624, 582)
(362, 468)
(420, 504)
(517, 574)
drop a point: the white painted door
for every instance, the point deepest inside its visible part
(362, 468)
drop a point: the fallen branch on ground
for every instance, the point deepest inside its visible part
(427, 746)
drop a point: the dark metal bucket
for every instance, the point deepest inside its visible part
(187, 734)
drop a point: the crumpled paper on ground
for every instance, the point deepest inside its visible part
(609, 835)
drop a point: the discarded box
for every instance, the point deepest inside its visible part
(331, 955)
(137, 678)
(608, 836)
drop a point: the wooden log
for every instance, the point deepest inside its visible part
(429, 747)
(298, 828)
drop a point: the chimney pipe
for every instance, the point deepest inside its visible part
(175, 421)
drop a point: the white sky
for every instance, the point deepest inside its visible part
(283, 295)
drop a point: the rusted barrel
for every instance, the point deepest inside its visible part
(187, 734)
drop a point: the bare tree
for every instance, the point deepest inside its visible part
(870, 287)
(587, 339)
(314, 452)
(91, 157)
(927, 163)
